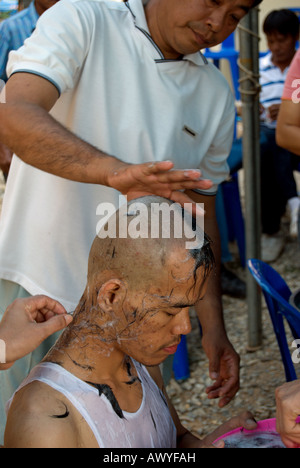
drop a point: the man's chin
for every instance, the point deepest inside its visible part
(152, 362)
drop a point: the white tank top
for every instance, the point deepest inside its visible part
(151, 426)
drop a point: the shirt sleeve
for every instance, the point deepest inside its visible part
(214, 166)
(4, 50)
(292, 83)
(58, 46)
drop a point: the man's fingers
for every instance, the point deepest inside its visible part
(55, 324)
(165, 173)
(178, 175)
(156, 167)
(225, 390)
(41, 305)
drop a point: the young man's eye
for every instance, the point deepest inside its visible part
(169, 314)
(235, 18)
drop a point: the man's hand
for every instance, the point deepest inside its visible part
(5, 158)
(244, 419)
(27, 323)
(273, 112)
(223, 368)
(156, 178)
(287, 412)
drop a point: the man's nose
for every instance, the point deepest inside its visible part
(216, 21)
(183, 323)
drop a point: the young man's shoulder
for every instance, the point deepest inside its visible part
(40, 417)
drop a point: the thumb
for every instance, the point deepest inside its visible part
(55, 324)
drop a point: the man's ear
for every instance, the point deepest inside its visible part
(111, 293)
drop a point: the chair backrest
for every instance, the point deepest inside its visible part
(297, 11)
(229, 42)
(277, 295)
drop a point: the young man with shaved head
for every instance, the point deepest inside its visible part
(99, 100)
(100, 385)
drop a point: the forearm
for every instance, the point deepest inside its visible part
(288, 126)
(288, 137)
(188, 440)
(39, 140)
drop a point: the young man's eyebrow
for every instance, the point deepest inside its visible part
(182, 306)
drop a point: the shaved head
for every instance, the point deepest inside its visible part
(134, 284)
(140, 261)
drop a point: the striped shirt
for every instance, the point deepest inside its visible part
(13, 32)
(272, 81)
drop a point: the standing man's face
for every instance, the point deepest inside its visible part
(183, 27)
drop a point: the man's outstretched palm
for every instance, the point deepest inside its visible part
(157, 178)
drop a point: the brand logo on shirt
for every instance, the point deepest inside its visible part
(2, 92)
(2, 352)
(136, 220)
(296, 93)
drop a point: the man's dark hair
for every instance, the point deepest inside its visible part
(284, 21)
(256, 3)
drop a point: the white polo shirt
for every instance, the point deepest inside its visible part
(121, 95)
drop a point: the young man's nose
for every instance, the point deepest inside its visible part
(183, 323)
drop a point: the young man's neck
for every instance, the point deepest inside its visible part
(111, 372)
(90, 362)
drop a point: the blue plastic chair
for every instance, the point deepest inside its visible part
(234, 215)
(297, 11)
(277, 295)
(181, 366)
(227, 52)
(228, 206)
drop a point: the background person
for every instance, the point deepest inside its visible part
(288, 129)
(278, 185)
(13, 32)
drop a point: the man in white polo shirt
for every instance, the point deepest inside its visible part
(126, 80)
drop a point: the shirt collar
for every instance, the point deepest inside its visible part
(267, 64)
(267, 61)
(137, 9)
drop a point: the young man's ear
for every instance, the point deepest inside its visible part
(111, 293)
